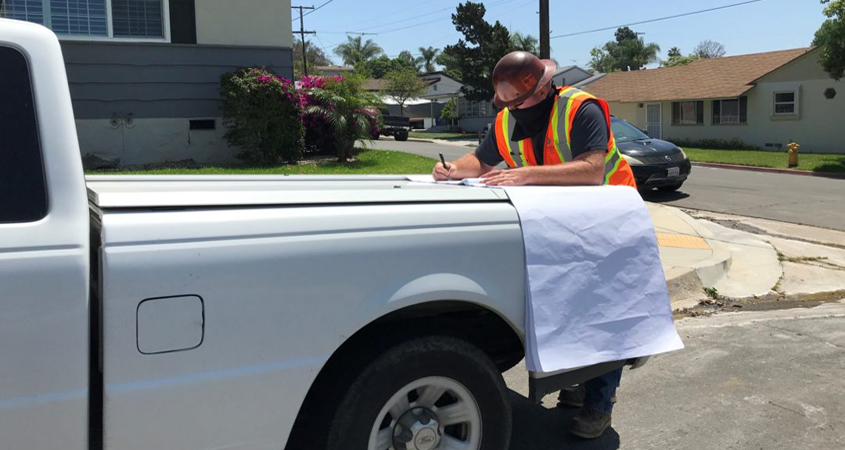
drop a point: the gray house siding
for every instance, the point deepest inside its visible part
(158, 80)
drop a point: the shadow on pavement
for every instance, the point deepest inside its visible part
(663, 197)
(538, 428)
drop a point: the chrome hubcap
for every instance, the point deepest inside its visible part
(431, 413)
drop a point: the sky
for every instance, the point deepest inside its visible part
(766, 25)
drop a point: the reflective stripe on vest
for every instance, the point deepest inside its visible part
(569, 101)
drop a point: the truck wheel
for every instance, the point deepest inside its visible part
(428, 393)
(401, 135)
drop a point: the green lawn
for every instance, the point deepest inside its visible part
(813, 162)
(445, 136)
(367, 162)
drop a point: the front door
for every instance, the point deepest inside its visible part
(654, 118)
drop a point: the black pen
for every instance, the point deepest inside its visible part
(445, 166)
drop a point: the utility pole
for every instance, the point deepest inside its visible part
(545, 49)
(302, 34)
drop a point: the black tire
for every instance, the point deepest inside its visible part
(401, 135)
(432, 356)
(670, 188)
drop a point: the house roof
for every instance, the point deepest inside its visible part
(589, 81)
(563, 69)
(335, 68)
(725, 77)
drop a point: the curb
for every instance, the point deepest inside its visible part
(807, 173)
(420, 140)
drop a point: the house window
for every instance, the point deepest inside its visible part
(784, 103)
(732, 111)
(687, 113)
(129, 18)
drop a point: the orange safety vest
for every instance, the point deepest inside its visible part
(569, 100)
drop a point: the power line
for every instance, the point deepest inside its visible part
(393, 13)
(451, 8)
(655, 20)
(313, 10)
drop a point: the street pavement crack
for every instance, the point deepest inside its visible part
(785, 408)
(809, 336)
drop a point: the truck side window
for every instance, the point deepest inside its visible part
(23, 194)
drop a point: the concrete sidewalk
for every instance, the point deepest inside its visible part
(740, 259)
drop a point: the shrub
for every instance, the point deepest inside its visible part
(319, 134)
(348, 110)
(714, 144)
(262, 114)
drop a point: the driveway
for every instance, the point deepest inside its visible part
(749, 380)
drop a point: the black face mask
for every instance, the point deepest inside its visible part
(533, 120)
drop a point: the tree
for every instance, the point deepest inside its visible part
(450, 111)
(355, 51)
(379, 67)
(526, 43)
(629, 52)
(831, 39)
(676, 58)
(315, 56)
(601, 61)
(451, 66)
(477, 54)
(402, 85)
(709, 49)
(427, 57)
(408, 58)
(347, 108)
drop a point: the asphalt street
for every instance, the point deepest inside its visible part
(747, 380)
(789, 198)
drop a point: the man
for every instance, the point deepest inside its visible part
(549, 136)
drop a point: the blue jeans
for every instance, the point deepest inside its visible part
(600, 390)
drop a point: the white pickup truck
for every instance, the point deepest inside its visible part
(199, 313)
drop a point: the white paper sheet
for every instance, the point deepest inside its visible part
(428, 179)
(595, 286)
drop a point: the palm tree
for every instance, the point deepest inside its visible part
(355, 51)
(405, 55)
(526, 43)
(427, 58)
(347, 109)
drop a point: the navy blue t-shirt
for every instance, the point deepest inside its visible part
(589, 132)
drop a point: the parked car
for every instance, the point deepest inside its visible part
(656, 163)
(396, 126)
(248, 312)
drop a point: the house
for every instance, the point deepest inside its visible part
(331, 71)
(144, 75)
(764, 100)
(424, 111)
(569, 75)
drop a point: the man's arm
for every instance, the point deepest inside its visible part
(589, 137)
(467, 166)
(473, 164)
(586, 170)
